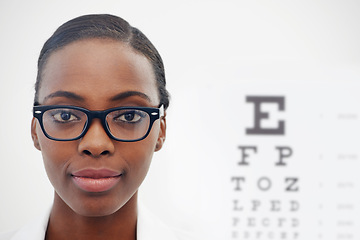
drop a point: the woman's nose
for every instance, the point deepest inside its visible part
(96, 142)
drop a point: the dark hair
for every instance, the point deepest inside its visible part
(104, 26)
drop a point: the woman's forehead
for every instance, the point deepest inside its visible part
(98, 68)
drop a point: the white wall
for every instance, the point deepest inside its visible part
(215, 53)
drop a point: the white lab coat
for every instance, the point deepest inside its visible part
(149, 227)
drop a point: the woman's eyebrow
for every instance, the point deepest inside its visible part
(127, 94)
(65, 94)
(117, 97)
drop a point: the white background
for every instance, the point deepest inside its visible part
(212, 51)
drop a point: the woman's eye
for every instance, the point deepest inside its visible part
(65, 116)
(130, 116)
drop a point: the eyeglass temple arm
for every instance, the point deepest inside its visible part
(162, 111)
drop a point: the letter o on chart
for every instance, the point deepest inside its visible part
(264, 183)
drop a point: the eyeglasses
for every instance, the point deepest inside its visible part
(67, 123)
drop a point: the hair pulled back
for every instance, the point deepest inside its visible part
(104, 26)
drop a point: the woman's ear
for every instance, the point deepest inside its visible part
(34, 135)
(162, 134)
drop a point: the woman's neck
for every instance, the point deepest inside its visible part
(64, 223)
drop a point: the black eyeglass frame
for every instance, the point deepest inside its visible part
(154, 114)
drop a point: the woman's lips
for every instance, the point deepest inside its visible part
(91, 180)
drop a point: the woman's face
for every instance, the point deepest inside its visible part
(97, 74)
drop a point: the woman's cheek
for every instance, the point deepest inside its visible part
(138, 157)
(56, 157)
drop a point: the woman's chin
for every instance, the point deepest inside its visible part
(95, 207)
(96, 211)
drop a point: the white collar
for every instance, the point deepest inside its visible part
(149, 227)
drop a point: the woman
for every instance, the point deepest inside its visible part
(99, 115)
